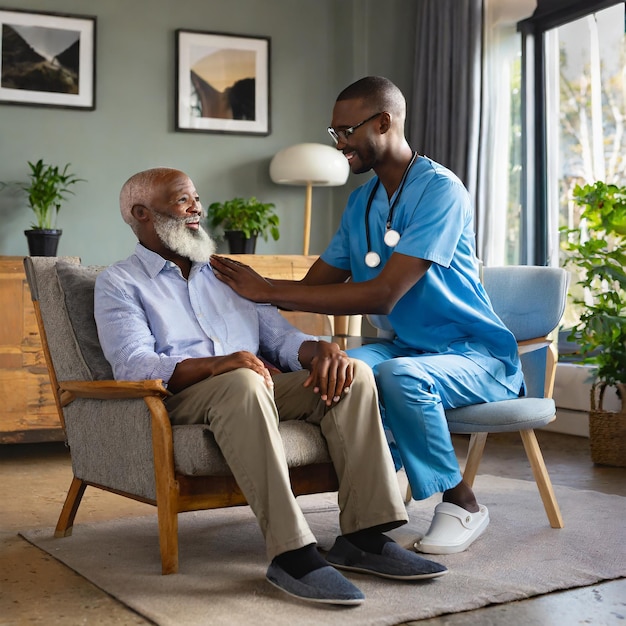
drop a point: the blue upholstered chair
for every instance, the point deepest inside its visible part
(530, 300)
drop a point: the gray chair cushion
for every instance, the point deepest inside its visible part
(197, 454)
(77, 284)
(503, 416)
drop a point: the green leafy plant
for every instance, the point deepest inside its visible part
(47, 188)
(598, 248)
(247, 215)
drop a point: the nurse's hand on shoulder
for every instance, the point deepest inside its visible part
(242, 279)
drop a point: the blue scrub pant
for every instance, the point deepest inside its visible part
(414, 390)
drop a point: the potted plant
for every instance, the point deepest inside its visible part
(598, 250)
(242, 221)
(47, 189)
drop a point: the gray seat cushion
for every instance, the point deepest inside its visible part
(197, 454)
(504, 416)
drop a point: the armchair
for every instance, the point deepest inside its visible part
(119, 433)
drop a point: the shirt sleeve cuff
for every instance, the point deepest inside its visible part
(292, 348)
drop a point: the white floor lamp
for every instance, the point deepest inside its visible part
(310, 165)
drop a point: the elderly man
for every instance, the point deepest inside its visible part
(240, 368)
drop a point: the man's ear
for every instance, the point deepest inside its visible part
(385, 122)
(140, 213)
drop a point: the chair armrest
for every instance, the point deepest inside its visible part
(530, 345)
(110, 389)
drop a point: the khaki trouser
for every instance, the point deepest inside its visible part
(243, 415)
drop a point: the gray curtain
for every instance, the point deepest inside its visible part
(444, 111)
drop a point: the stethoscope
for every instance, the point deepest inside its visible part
(392, 236)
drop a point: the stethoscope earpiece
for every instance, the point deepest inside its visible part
(392, 236)
(372, 259)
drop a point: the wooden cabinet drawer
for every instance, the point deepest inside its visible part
(29, 413)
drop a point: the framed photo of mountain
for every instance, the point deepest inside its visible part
(48, 59)
(222, 83)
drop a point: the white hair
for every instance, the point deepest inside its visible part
(138, 189)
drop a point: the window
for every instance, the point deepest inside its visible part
(575, 108)
(585, 115)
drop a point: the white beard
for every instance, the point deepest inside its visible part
(195, 245)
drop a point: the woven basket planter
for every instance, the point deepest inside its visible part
(607, 429)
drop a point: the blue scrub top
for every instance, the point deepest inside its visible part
(448, 310)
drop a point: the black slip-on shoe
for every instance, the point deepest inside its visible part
(395, 561)
(325, 585)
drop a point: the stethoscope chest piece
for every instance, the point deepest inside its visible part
(391, 238)
(372, 259)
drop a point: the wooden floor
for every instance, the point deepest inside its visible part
(36, 589)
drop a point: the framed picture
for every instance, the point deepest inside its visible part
(48, 59)
(222, 83)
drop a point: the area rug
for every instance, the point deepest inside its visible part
(222, 561)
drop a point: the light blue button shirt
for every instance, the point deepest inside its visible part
(150, 318)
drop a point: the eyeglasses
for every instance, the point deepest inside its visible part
(344, 133)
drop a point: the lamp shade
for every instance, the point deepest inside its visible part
(309, 164)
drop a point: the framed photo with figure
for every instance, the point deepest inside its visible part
(222, 83)
(48, 59)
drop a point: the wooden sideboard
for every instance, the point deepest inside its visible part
(28, 413)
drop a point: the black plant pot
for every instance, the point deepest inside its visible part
(238, 243)
(42, 241)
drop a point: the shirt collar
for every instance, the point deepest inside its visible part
(154, 263)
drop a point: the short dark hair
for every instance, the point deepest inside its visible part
(379, 91)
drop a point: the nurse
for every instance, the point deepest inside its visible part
(406, 242)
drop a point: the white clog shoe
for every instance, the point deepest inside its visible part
(453, 529)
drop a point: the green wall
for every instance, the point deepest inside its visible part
(317, 48)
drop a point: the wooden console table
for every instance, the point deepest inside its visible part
(28, 413)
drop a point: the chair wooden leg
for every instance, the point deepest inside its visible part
(70, 507)
(474, 456)
(166, 486)
(168, 536)
(544, 484)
